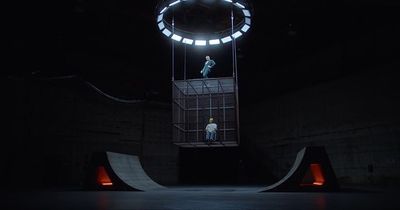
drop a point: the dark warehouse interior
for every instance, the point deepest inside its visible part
(82, 77)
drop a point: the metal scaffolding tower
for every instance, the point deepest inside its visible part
(194, 101)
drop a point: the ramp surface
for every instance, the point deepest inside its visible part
(311, 171)
(129, 170)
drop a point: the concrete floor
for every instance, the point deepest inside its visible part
(197, 198)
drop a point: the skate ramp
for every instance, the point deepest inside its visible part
(311, 171)
(116, 171)
(129, 170)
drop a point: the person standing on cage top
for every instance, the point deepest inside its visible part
(211, 130)
(207, 67)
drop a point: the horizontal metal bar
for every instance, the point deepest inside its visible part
(219, 122)
(221, 107)
(195, 130)
(218, 95)
(199, 79)
(202, 144)
(212, 93)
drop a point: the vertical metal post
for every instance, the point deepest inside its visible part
(184, 64)
(179, 115)
(187, 133)
(184, 116)
(223, 112)
(235, 76)
(172, 81)
(173, 50)
(233, 47)
(184, 99)
(237, 103)
(197, 117)
(210, 113)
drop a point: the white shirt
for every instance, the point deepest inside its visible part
(211, 127)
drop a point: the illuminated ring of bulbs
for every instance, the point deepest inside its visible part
(180, 36)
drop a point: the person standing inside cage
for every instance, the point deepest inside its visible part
(211, 131)
(207, 67)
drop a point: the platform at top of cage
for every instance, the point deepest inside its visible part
(208, 144)
(206, 86)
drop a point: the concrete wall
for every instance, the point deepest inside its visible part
(356, 118)
(53, 127)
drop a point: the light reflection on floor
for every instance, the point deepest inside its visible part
(221, 198)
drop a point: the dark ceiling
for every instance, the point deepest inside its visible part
(116, 44)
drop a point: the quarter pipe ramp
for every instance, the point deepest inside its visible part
(311, 171)
(116, 171)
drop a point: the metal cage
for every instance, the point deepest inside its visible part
(195, 101)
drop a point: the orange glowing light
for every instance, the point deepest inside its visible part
(316, 171)
(314, 176)
(102, 177)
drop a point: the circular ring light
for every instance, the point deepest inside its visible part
(188, 38)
